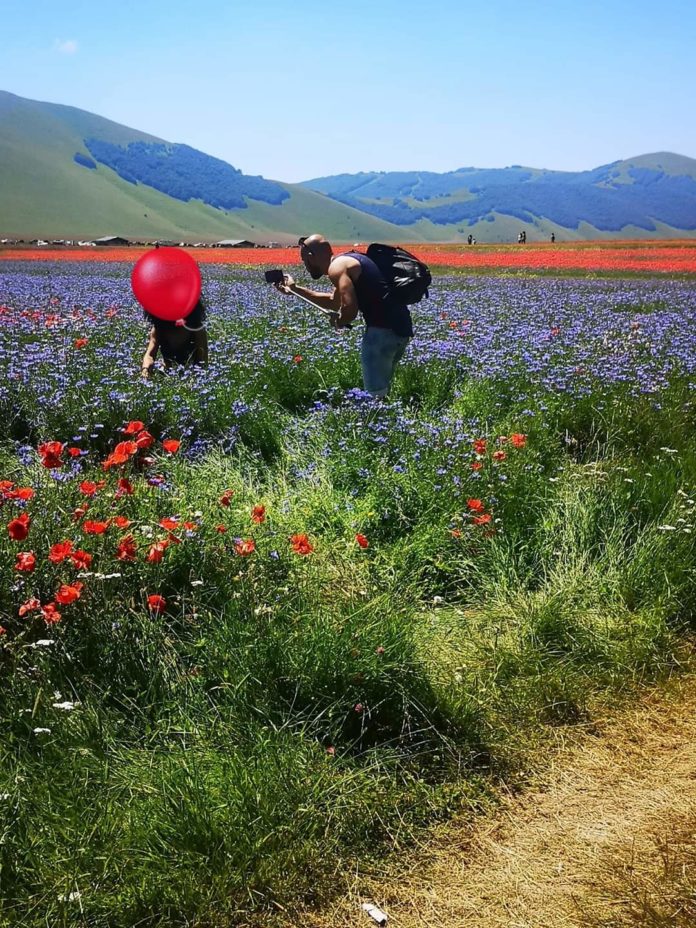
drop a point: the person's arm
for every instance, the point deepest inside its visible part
(201, 352)
(150, 354)
(324, 300)
(347, 298)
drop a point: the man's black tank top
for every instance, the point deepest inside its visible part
(379, 310)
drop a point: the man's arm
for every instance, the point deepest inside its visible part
(328, 301)
(150, 354)
(347, 297)
(201, 352)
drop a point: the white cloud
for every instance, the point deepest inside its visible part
(65, 46)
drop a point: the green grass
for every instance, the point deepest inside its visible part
(287, 716)
(193, 782)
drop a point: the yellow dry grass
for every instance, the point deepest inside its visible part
(606, 838)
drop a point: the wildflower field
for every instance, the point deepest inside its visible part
(255, 627)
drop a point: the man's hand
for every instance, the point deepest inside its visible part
(287, 285)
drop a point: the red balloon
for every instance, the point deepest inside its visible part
(167, 283)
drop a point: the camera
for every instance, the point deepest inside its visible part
(274, 277)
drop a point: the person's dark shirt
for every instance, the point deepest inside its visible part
(178, 343)
(378, 307)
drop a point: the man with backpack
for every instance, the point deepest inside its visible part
(371, 286)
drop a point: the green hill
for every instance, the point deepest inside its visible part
(67, 173)
(44, 192)
(650, 196)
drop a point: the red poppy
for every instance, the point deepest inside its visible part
(476, 465)
(171, 445)
(50, 453)
(297, 359)
(80, 512)
(3, 630)
(24, 493)
(81, 559)
(126, 550)
(245, 548)
(129, 448)
(475, 505)
(26, 560)
(124, 488)
(455, 533)
(221, 529)
(5, 486)
(80, 342)
(156, 552)
(68, 593)
(499, 455)
(480, 445)
(169, 524)
(157, 603)
(123, 451)
(122, 522)
(144, 440)
(258, 514)
(89, 487)
(59, 551)
(301, 544)
(75, 452)
(95, 528)
(31, 605)
(518, 440)
(50, 614)
(362, 541)
(226, 498)
(482, 520)
(133, 427)
(18, 528)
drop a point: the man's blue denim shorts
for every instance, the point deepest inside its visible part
(380, 352)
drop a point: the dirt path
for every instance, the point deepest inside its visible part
(608, 839)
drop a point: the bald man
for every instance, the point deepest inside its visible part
(358, 287)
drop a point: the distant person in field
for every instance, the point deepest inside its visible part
(180, 344)
(553, 237)
(358, 287)
(469, 238)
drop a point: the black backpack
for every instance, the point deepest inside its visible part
(408, 278)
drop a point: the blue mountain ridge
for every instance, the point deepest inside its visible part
(609, 197)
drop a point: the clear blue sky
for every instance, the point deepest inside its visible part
(294, 90)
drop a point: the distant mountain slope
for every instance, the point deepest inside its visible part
(68, 173)
(651, 194)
